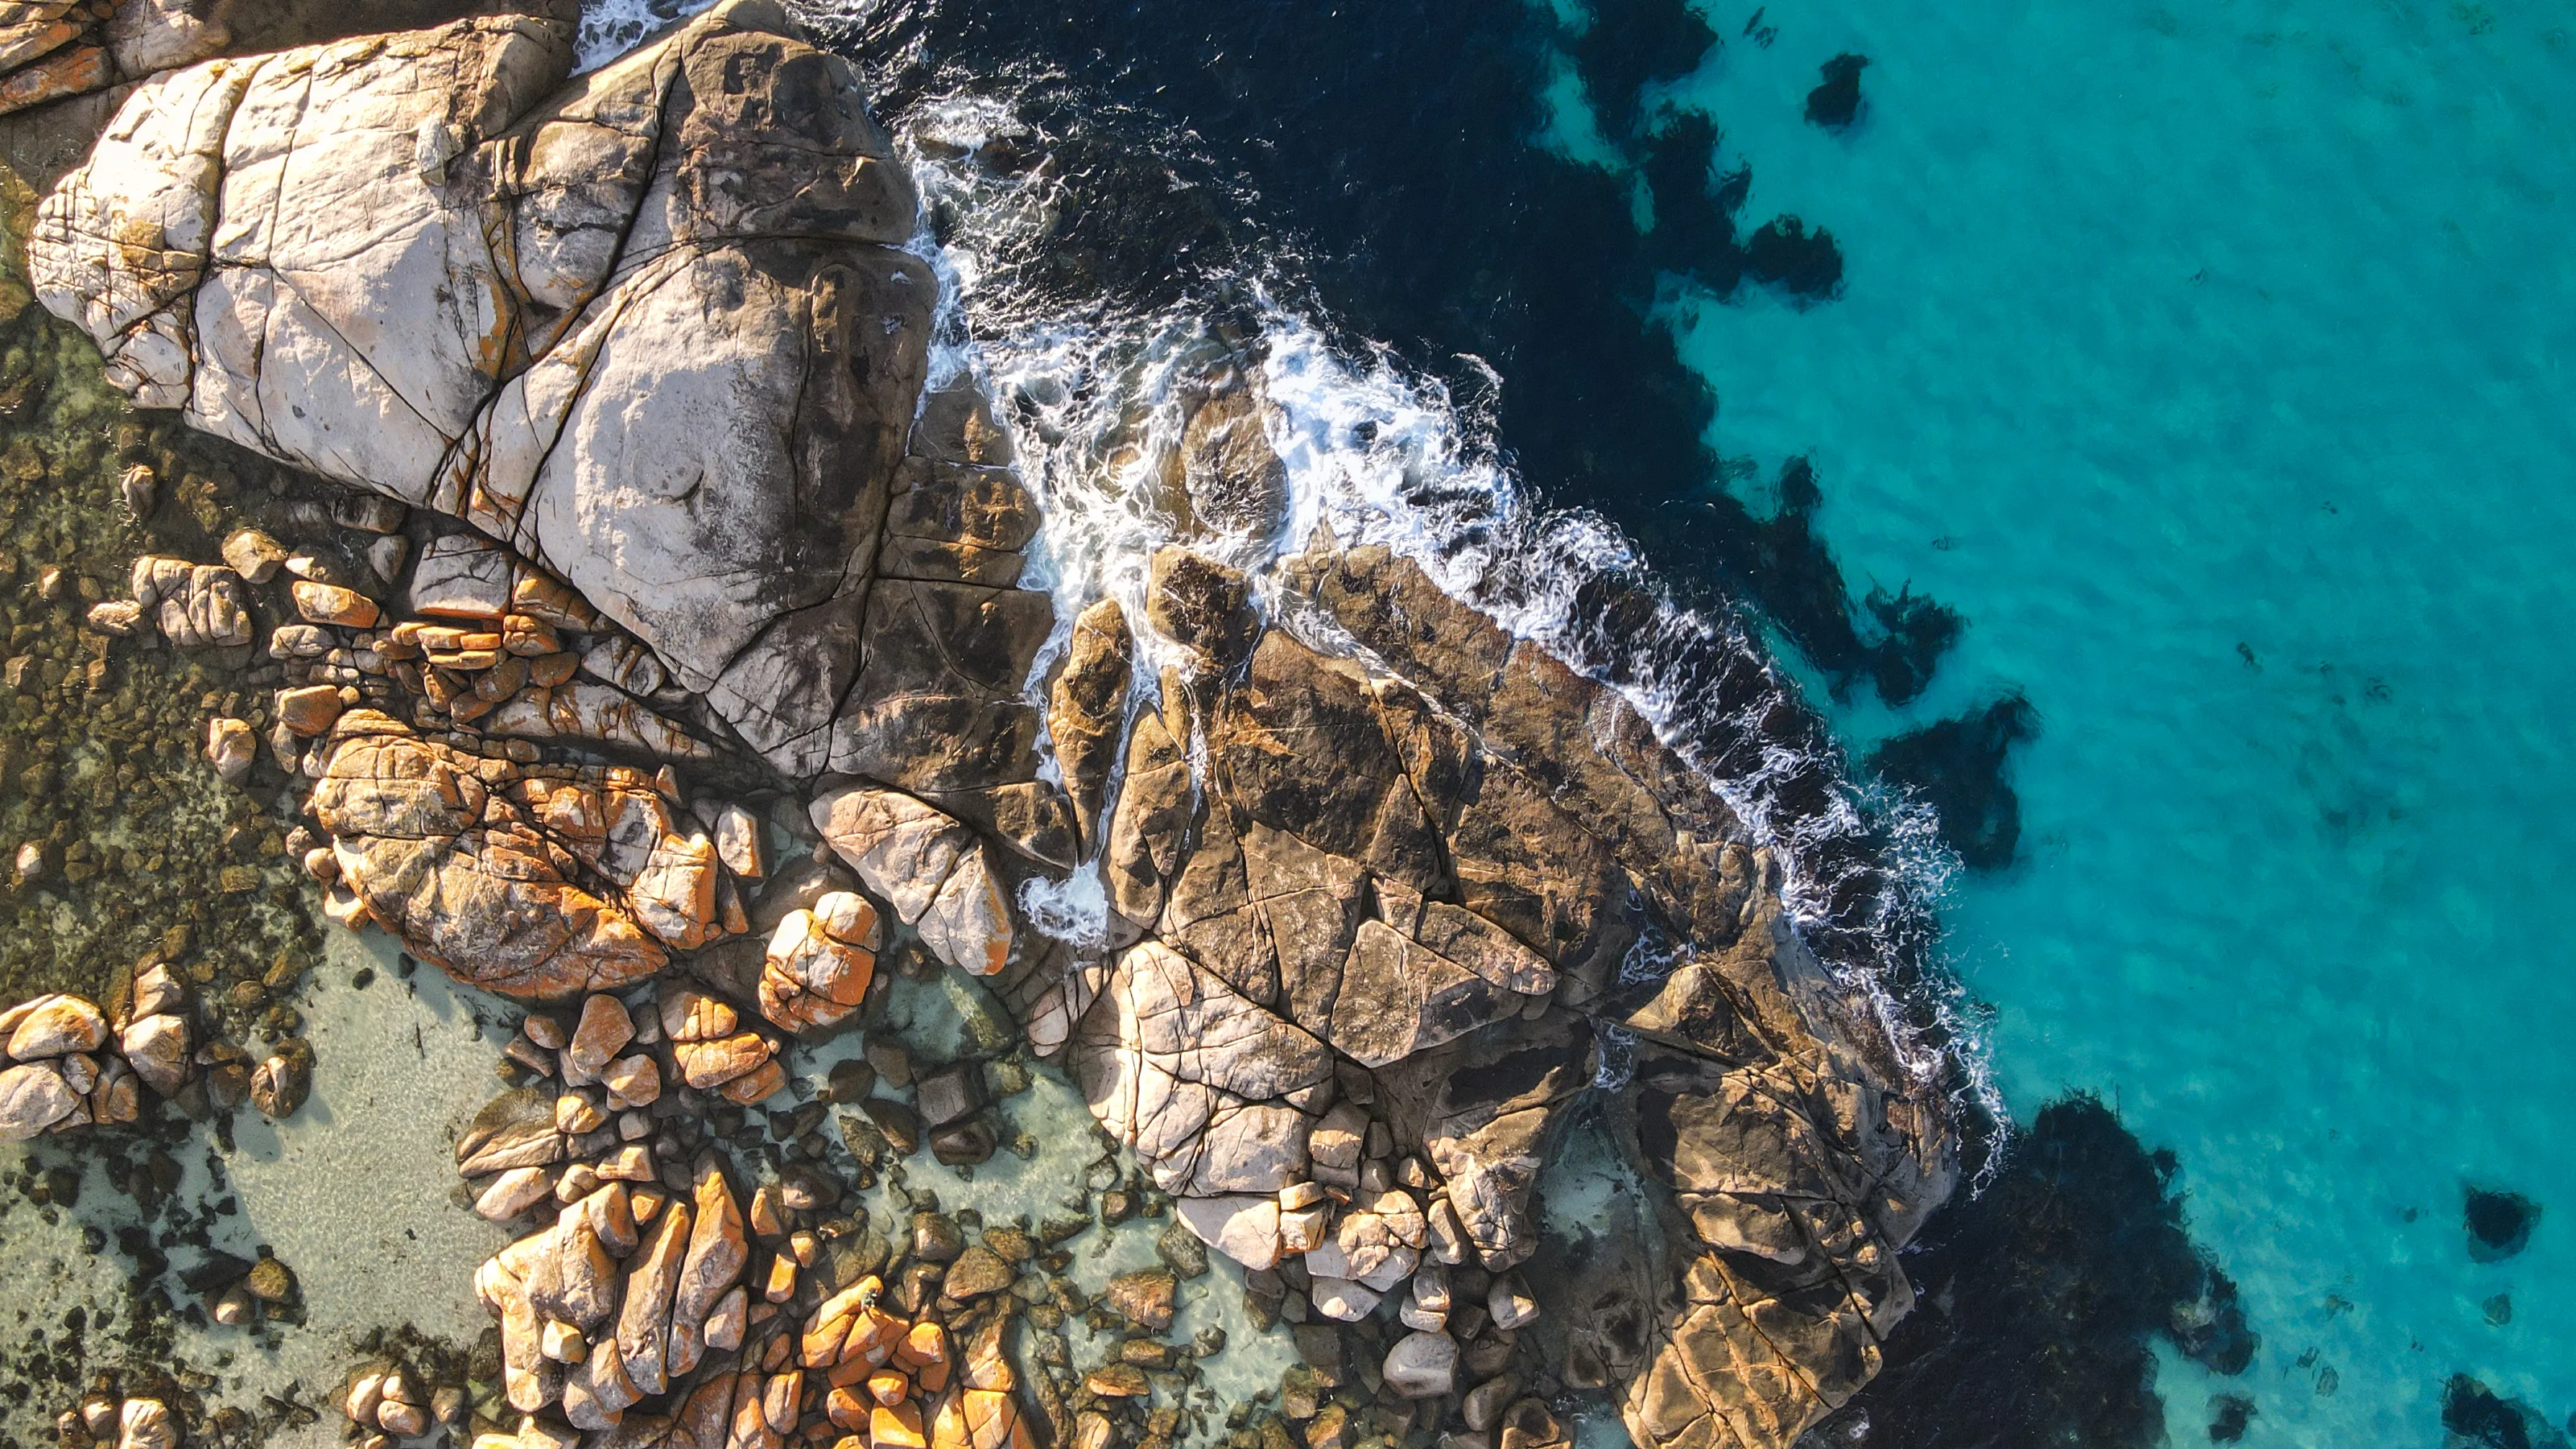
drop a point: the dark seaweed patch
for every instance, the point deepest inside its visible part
(2038, 1301)
(1958, 767)
(1835, 104)
(2229, 1414)
(2499, 1223)
(2475, 1417)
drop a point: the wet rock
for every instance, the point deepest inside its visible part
(1835, 102)
(279, 1084)
(1483, 1407)
(1201, 604)
(964, 1144)
(1118, 1381)
(978, 1272)
(270, 1281)
(949, 1094)
(1181, 1250)
(899, 1124)
(146, 1424)
(117, 618)
(140, 488)
(1527, 1424)
(1144, 1298)
(891, 1062)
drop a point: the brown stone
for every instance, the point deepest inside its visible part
(333, 605)
(1089, 707)
(474, 865)
(1144, 1298)
(603, 1032)
(309, 711)
(709, 1064)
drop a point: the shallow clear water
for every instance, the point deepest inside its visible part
(2212, 359)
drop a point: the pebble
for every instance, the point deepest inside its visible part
(270, 1281)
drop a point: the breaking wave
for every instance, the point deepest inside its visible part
(1097, 381)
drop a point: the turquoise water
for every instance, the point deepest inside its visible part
(2166, 331)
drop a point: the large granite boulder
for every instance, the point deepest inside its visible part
(653, 329)
(531, 881)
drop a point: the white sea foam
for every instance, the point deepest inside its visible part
(610, 28)
(1379, 453)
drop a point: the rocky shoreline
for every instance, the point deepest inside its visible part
(671, 670)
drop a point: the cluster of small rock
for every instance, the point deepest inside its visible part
(113, 1423)
(679, 1318)
(70, 1065)
(385, 1401)
(489, 642)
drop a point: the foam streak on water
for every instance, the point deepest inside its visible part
(1378, 453)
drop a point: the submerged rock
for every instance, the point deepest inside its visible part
(2499, 1223)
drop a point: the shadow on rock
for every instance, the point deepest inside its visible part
(2040, 1299)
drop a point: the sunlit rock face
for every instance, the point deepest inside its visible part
(1372, 869)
